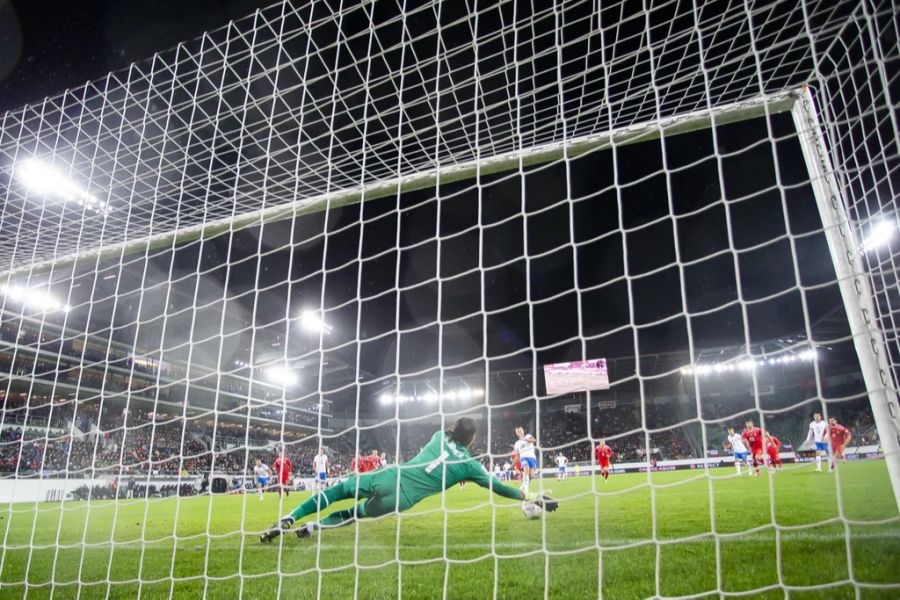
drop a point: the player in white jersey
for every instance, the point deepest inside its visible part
(818, 435)
(561, 462)
(262, 477)
(525, 448)
(320, 463)
(736, 443)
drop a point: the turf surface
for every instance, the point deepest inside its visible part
(603, 535)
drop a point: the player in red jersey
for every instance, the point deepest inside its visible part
(840, 436)
(603, 454)
(754, 438)
(362, 463)
(283, 467)
(516, 465)
(375, 460)
(773, 448)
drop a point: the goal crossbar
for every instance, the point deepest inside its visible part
(445, 174)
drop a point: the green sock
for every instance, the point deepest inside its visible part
(338, 518)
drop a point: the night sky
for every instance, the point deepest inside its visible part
(48, 46)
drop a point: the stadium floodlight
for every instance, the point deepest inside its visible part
(432, 396)
(281, 375)
(313, 323)
(45, 180)
(747, 364)
(880, 234)
(809, 355)
(33, 298)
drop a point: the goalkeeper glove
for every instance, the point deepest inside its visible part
(543, 500)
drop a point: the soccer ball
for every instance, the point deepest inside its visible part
(531, 510)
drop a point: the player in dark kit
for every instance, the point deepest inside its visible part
(442, 463)
(754, 437)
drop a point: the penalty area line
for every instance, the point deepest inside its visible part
(531, 546)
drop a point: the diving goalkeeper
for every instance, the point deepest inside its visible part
(442, 463)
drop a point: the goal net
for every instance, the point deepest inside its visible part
(335, 228)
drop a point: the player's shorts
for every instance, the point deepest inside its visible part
(379, 489)
(603, 465)
(322, 476)
(821, 446)
(740, 456)
(528, 461)
(262, 480)
(562, 469)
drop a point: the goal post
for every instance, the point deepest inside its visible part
(856, 290)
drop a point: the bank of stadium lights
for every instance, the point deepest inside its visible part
(746, 364)
(44, 180)
(432, 396)
(880, 234)
(281, 375)
(33, 298)
(313, 323)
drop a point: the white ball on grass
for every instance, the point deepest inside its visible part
(531, 510)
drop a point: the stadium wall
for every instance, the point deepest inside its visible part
(862, 452)
(41, 490)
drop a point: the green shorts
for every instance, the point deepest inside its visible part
(377, 492)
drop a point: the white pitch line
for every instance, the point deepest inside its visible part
(553, 547)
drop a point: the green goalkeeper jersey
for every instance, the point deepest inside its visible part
(443, 463)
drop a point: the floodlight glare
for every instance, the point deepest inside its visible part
(746, 364)
(33, 298)
(879, 235)
(432, 396)
(281, 375)
(313, 323)
(809, 355)
(44, 180)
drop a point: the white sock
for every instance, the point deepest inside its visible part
(818, 461)
(525, 482)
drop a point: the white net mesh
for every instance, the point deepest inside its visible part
(345, 225)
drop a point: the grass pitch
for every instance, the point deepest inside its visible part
(600, 541)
